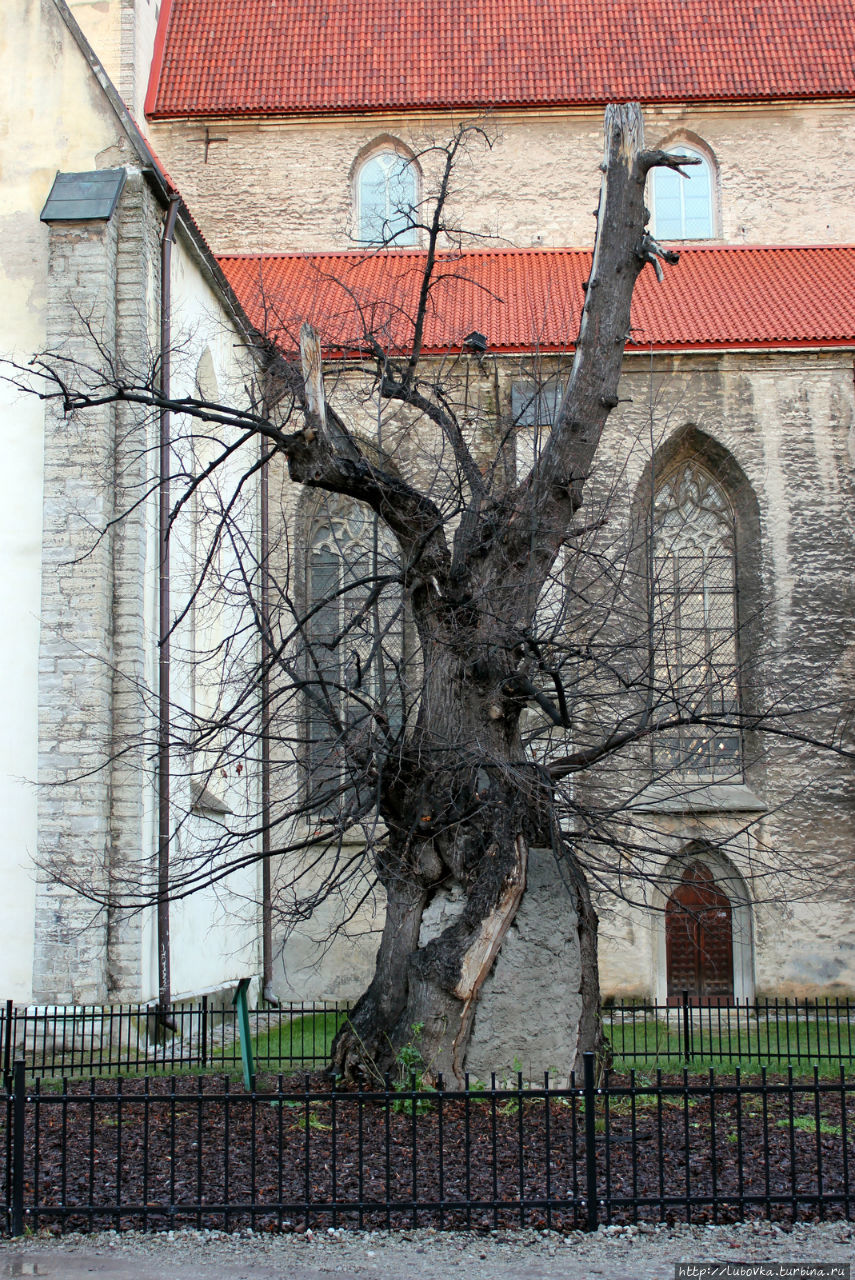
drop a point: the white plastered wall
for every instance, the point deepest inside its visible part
(122, 33)
(215, 933)
(62, 121)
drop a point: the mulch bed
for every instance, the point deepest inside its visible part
(196, 1153)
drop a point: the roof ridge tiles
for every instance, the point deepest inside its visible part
(248, 57)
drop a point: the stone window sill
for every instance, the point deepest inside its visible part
(351, 838)
(204, 801)
(713, 797)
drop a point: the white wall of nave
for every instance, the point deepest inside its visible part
(90, 614)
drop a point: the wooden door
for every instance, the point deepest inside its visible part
(699, 938)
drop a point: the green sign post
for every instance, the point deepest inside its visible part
(239, 1000)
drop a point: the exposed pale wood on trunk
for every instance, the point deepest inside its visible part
(479, 959)
(313, 374)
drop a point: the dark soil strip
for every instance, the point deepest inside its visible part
(191, 1153)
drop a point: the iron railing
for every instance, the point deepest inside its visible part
(75, 1040)
(163, 1153)
(136, 1038)
(96, 1040)
(772, 1032)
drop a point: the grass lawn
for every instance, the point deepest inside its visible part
(302, 1044)
(725, 1044)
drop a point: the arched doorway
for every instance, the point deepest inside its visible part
(699, 938)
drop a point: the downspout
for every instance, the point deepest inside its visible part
(164, 994)
(266, 649)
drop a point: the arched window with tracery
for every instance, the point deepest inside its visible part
(386, 199)
(682, 206)
(354, 662)
(694, 615)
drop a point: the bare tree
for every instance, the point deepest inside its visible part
(460, 801)
(472, 666)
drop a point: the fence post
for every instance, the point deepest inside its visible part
(8, 1040)
(687, 1039)
(590, 1139)
(204, 1031)
(18, 1120)
(239, 1000)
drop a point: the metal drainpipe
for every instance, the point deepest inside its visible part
(266, 912)
(163, 761)
(266, 649)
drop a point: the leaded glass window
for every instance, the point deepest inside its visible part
(354, 633)
(683, 206)
(695, 625)
(533, 405)
(386, 200)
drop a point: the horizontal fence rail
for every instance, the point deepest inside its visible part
(124, 1039)
(168, 1152)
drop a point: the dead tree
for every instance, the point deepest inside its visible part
(459, 802)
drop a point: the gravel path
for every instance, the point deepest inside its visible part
(623, 1253)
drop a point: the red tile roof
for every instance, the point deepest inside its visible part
(269, 57)
(523, 299)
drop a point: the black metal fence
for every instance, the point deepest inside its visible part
(75, 1040)
(123, 1039)
(775, 1032)
(160, 1153)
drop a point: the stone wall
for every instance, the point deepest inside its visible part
(784, 420)
(783, 174)
(133, 785)
(784, 424)
(99, 672)
(76, 651)
(97, 783)
(778, 432)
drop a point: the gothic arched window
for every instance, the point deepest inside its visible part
(354, 633)
(682, 207)
(693, 566)
(386, 198)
